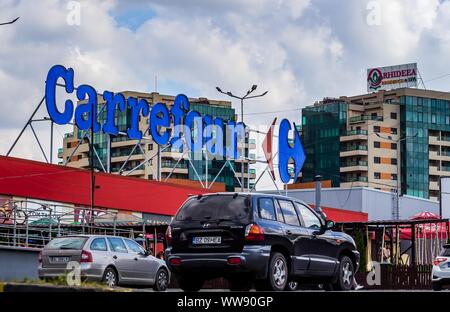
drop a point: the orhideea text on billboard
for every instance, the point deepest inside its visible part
(392, 77)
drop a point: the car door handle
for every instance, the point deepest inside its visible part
(114, 257)
(288, 232)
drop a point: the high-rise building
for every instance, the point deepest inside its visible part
(132, 158)
(386, 140)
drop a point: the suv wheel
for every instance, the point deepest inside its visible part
(110, 277)
(190, 283)
(346, 274)
(161, 280)
(278, 274)
(436, 286)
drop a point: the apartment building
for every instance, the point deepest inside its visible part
(135, 158)
(388, 140)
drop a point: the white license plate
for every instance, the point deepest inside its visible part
(206, 240)
(60, 259)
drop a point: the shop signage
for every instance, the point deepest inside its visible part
(392, 77)
(199, 132)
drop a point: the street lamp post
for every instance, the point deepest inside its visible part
(396, 212)
(242, 98)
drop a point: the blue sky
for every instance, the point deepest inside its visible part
(299, 50)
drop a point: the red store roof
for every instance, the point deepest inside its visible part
(38, 180)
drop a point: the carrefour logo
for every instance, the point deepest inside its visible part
(217, 137)
(374, 78)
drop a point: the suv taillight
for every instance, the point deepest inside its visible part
(40, 257)
(168, 235)
(438, 260)
(253, 232)
(86, 256)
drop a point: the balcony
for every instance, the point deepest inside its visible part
(124, 143)
(349, 166)
(175, 170)
(116, 159)
(439, 171)
(355, 182)
(436, 155)
(68, 135)
(434, 186)
(356, 119)
(135, 173)
(443, 141)
(353, 135)
(354, 150)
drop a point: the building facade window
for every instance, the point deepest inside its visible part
(393, 115)
(393, 130)
(394, 146)
(376, 129)
(393, 161)
(376, 144)
(376, 160)
(394, 176)
(376, 175)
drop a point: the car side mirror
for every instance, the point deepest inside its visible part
(329, 225)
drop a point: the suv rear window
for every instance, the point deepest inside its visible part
(75, 243)
(215, 207)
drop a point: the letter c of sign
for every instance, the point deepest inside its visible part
(59, 71)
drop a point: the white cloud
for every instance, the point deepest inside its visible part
(301, 51)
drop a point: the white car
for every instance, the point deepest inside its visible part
(440, 275)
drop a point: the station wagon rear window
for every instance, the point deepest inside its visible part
(215, 208)
(75, 243)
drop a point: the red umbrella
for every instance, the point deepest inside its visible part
(425, 215)
(430, 230)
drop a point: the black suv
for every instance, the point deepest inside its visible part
(272, 241)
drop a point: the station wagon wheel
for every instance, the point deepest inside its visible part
(110, 277)
(161, 280)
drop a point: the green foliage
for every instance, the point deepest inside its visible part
(361, 246)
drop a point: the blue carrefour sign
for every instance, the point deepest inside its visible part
(198, 131)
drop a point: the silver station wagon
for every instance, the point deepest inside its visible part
(112, 260)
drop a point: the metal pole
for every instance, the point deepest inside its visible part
(15, 224)
(159, 163)
(413, 244)
(23, 129)
(51, 142)
(108, 153)
(50, 225)
(398, 181)
(206, 168)
(91, 149)
(155, 242)
(248, 175)
(243, 146)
